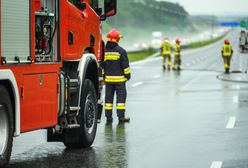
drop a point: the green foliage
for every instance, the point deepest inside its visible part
(148, 14)
(140, 55)
(205, 43)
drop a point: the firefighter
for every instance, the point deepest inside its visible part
(227, 53)
(177, 55)
(116, 73)
(166, 53)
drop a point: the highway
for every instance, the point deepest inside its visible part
(186, 119)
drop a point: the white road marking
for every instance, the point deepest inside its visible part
(157, 76)
(235, 99)
(216, 164)
(231, 123)
(137, 84)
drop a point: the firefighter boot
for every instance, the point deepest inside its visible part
(108, 114)
(169, 66)
(164, 68)
(174, 67)
(124, 119)
(121, 116)
(227, 70)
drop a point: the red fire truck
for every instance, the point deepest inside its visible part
(50, 56)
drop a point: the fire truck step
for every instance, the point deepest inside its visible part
(73, 126)
(74, 108)
(74, 86)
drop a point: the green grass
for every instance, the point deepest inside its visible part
(205, 43)
(140, 55)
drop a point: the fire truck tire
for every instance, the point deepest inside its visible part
(87, 117)
(6, 126)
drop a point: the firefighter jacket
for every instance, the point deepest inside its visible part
(116, 64)
(166, 48)
(227, 50)
(177, 49)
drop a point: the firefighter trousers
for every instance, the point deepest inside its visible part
(168, 64)
(121, 94)
(227, 62)
(177, 62)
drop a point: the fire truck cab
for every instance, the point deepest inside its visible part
(50, 74)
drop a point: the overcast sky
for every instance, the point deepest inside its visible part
(217, 7)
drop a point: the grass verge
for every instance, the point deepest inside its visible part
(140, 55)
(205, 43)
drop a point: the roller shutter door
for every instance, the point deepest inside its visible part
(15, 29)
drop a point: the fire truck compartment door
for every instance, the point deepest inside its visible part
(15, 30)
(39, 104)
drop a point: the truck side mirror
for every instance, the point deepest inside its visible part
(110, 7)
(99, 11)
(81, 5)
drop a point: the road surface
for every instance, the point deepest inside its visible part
(186, 119)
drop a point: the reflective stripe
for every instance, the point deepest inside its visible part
(121, 106)
(108, 106)
(115, 79)
(127, 71)
(226, 66)
(169, 63)
(112, 56)
(103, 72)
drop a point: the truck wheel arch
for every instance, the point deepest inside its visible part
(87, 68)
(8, 80)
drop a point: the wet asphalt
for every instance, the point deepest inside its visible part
(186, 119)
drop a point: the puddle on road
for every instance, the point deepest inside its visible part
(113, 153)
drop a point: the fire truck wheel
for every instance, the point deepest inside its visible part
(6, 126)
(87, 117)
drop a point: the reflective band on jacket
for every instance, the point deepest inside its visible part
(112, 56)
(127, 71)
(121, 106)
(115, 79)
(227, 50)
(108, 106)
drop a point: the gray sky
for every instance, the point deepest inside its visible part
(217, 7)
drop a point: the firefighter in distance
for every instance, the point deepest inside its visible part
(166, 53)
(227, 53)
(116, 73)
(177, 55)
